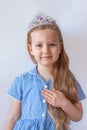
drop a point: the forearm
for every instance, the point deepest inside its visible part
(10, 123)
(73, 111)
(14, 115)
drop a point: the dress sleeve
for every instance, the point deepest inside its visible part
(81, 94)
(15, 90)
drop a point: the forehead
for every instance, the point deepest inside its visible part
(49, 34)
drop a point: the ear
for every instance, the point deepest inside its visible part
(30, 49)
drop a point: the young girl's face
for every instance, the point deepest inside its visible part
(45, 46)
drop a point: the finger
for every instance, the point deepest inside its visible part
(46, 92)
(47, 95)
(50, 101)
(56, 91)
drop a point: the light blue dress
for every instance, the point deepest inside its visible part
(27, 89)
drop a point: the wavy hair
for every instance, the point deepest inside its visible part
(64, 80)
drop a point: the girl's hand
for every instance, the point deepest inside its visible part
(54, 97)
(58, 99)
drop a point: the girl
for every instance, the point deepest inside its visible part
(47, 97)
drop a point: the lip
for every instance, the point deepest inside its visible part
(46, 57)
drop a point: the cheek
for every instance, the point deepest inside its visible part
(58, 50)
(60, 47)
(57, 53)
(35, 53)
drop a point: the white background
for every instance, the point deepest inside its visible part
(71, 16)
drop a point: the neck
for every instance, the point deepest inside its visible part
(45, 71)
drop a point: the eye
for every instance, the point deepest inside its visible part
(38, 46)
(52, 44)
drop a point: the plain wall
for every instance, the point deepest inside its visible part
(71, 16)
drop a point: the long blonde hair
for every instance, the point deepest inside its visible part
(64, 80)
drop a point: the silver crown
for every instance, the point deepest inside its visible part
(41, 19)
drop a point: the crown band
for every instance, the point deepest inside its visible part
(41, 19)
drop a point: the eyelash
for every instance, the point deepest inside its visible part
(50, 44)
(39, 45)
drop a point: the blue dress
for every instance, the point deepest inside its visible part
(27, 89)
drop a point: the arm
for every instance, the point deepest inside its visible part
(74, 112)
(58, 99)
(14, 114)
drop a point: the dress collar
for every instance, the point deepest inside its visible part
(34, 71)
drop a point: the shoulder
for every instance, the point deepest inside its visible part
(27, 75)
(21, 84)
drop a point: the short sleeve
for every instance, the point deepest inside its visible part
(81, 94)
(15, 90)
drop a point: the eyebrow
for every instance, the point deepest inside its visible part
(52, 41)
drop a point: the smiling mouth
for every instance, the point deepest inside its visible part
(47, 57)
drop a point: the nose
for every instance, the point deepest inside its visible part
(46, 49)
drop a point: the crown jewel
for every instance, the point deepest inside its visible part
(41, 19)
